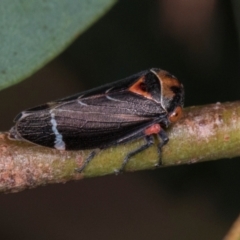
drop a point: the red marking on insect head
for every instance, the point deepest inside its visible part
(167, 82)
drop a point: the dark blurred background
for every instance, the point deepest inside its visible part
(196, 41)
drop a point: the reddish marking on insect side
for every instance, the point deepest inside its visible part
(139, 87)
(175, 115)
(154, 129)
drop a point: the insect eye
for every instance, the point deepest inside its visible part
(176, 114)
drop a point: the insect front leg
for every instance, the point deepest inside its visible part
(87, 161)
(149, 142)
(163, 139)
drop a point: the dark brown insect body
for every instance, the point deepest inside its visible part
(135, 107)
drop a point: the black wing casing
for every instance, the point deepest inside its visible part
(105, 116)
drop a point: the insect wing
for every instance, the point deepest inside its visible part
(115, 86)
(93, 122)
(94, 119)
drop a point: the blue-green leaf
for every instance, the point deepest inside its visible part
(34, 32)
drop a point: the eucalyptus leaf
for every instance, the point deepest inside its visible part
(34, 32)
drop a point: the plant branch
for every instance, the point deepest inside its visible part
(205, 133)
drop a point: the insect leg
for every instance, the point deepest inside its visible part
(149, 142)
(163, 139)
(87, 161)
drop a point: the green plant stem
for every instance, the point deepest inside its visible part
(204, 133)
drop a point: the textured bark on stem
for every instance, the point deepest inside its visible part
(204, 133)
